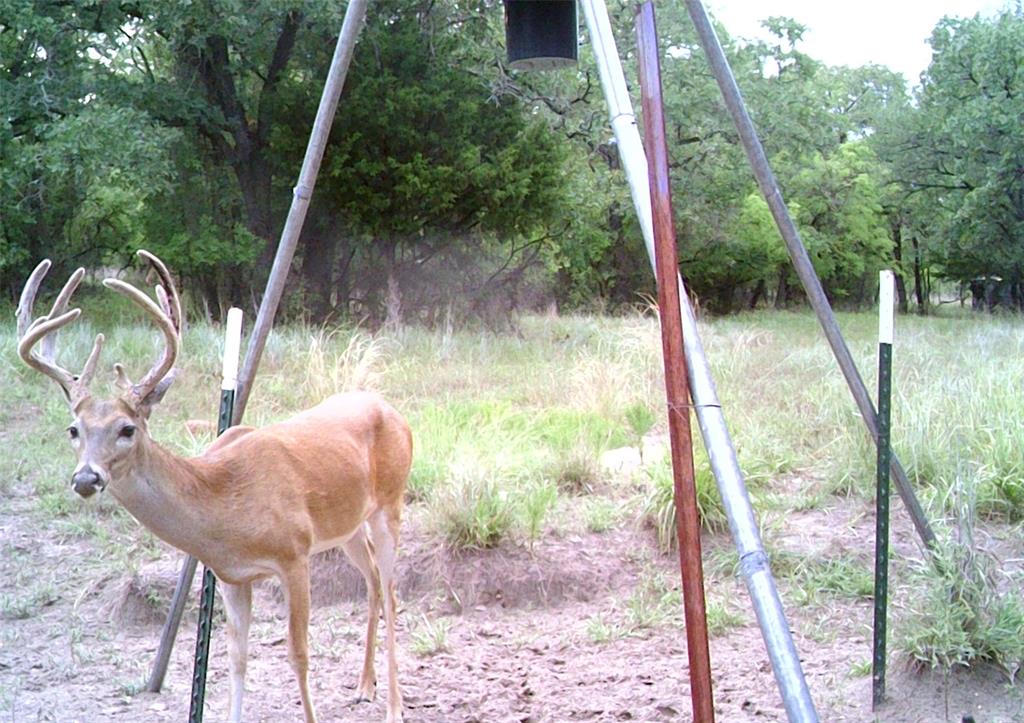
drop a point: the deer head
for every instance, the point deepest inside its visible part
(106, 434)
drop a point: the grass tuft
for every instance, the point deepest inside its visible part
(960, 612)
(430, 637)
(659, 508)
(472, 511)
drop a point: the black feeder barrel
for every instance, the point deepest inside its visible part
(541, 34)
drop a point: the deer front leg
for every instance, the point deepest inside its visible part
(295, 579)
(238, 606)
(358, 552)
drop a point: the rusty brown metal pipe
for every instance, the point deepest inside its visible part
(677, 387)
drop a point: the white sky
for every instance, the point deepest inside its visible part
(893, 33)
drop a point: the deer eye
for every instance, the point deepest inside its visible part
(73, 432)
(127, 431)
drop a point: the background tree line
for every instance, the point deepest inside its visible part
(452, 185)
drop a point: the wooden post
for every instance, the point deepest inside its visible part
(676, 385)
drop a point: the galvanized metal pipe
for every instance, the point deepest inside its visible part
(754, 565)
(170, 630)
(677, 389)
(355, 16)
(798, 253)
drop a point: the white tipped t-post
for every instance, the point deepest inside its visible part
(885, 336)
(232, 345)
(229, 381)
(886, 295)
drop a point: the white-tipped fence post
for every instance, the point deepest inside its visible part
(885, 338)
(228, 385)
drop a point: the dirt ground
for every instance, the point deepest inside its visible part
(520, 646)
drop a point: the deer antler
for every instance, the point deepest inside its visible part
(167, 315)
(45, 327)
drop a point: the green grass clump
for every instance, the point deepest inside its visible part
(430, 636)
(601, 514)
(659, 508)
(473, 511)
(963, 609)
(814, 578)
(479, 509)
(576, 471)
(722, 615)
(652, 603)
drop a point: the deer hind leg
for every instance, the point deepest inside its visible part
(358, 551)
(295, 579)
(384, 530)
(238, 606)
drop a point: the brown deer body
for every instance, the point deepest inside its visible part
(258, 502)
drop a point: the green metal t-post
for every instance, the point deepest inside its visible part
(885, 338)
(233, 338)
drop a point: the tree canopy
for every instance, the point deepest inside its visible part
(959, 155)
(452, 184)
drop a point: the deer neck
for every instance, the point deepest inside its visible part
(159, 490)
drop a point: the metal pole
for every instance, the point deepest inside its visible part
(355, 15)
(229, 382)
(677, 390)
(202, 656)
(754, 568)
(798, 253)
(885, 339)
(171, 625)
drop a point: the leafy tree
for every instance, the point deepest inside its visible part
(424, 163)
(67, 190)
(211, 103)
(958, 156)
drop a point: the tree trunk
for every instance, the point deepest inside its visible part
(393, 292)
(319, 246)
(210, 59)
(897, 257)
(255, 181)
(782, 290)
(919, 290)
(759, 292)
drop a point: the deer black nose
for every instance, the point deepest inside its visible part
(86, 482)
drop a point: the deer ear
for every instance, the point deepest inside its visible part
(145, 407)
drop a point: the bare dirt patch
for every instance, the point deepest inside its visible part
(521, 644)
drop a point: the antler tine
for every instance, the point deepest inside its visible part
(28, 297)
(159, 371)
(44, 329)
(89, 370)
(59, 306)
(39, 329)
(167, 293)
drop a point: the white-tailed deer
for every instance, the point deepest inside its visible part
(258, 502)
